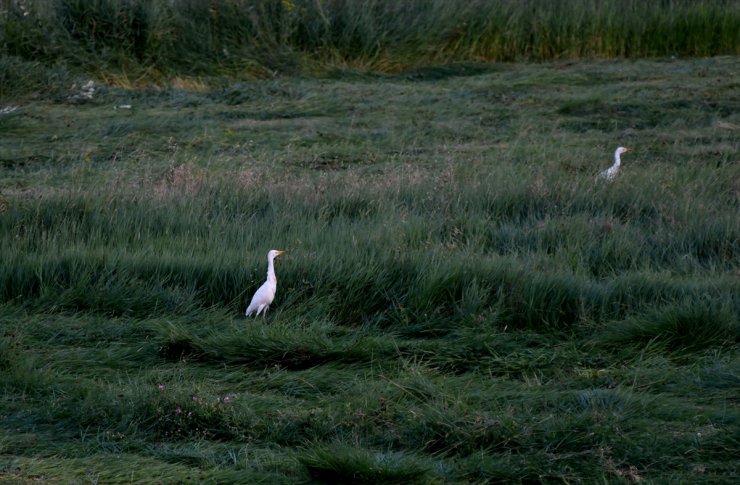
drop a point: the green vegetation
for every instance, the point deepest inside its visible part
(461, 301)
(135, 40)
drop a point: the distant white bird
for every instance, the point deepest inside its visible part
(266, 293)
(610, 173)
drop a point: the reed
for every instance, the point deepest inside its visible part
(248, 38)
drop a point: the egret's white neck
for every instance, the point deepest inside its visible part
(271, 270)
(617, 160)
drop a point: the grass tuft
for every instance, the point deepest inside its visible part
(343, 463)
(678, 328)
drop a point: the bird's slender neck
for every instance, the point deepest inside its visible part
(271, 270)
(617, 159)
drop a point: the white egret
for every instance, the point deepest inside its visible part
(266, 293)
(610, 173)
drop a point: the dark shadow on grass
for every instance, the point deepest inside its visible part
(286, 346)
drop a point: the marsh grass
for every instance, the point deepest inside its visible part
(459, 302)
(130, 42)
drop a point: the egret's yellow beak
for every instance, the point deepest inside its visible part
(280, 252)
(627, 150)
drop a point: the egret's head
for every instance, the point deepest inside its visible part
(621, 150)
(274, 253)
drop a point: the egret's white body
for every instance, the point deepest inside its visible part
(610, 173)
(266, 293)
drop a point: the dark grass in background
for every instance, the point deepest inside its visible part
(258, 38)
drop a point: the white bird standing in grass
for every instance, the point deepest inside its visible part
(610, 173)
(266, 293)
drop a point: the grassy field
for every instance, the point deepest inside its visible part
(460, 302)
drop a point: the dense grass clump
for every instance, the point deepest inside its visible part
(343, 464)
(259, 38)
(688, 327)
(461, 300)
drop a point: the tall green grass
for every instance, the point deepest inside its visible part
(129, 258)
(257, 38)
